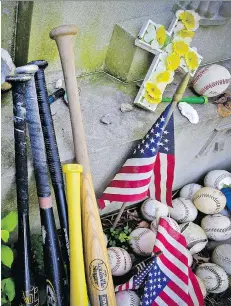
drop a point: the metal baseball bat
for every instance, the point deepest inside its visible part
(26, 288)
(53, 264)
(52, 153)
(78, 288)
(98, 272)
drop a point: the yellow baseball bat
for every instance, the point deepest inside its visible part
(78, 287)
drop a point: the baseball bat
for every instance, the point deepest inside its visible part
(52, 152)
(78, 288)
(53, 264)
(26, 288)
(97, 267)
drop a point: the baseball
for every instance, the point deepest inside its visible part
(120, 261)
(195, 236)
(214, 277)
(209, 200)
(148, 209)
(183, 210)
(127, 298)
(202, 286)
(222, 257)
(172, 222)
(217, 227)
(211, 80)
(142, 241)
(217, 179)
(161, 210)
(189, 190)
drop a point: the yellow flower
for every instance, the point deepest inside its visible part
(173, 61)
(161, 35)
(191, 60)
(180, 47)
(164, 77)
(188, 20)
(152, 94)
(186, 33)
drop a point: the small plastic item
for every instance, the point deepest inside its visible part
(190, 100)
(227, 193)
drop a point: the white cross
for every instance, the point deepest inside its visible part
(140, 42)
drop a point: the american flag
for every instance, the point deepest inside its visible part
(150, 169)
(169, 280)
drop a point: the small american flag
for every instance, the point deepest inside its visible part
(150, 169)
(168, 280)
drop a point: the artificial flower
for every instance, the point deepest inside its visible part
(152, 94)
(173, 61)
(180, 47)
(150, 33)
(185, 33)
(191, 59)
(165, 77)
(152, 100)
(161, 35)
(189, 18)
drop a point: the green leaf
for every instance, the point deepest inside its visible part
(7, 256)
(8, 288)
(10, 221)
(5, 235)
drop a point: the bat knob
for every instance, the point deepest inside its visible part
(69, 29)
(18, 78)
(40, 63)
(28, 69)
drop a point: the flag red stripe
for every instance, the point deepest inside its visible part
(101, 203)
(136, 169)
(183, 295)
(174, 269)
(129, 184)
(179, 237)
(157, 177)
(170, 177)
(175, 252)
(123, 198)
(196, 287)
(163, 295)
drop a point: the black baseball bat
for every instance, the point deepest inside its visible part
(56, 95)
(26, 288)
(52, 153)
(53, 263)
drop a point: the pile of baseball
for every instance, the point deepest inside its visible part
(200, 214)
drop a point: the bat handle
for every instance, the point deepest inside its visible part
(78, 288)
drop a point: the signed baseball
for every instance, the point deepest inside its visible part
(183, 210)
(162, 210)
(222, 257)
(195, 236)
(209, 200)
(214, 277)
(211, 81)
(127, 298)
(189, 190)
(120, 261)
(217, 179)
(148, 209)
(142, 241)
(217, 227)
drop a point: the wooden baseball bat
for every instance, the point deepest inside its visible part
(97, 267)
(27, 292)
(78, 287)
(53, 263)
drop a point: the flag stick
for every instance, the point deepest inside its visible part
(176, 98)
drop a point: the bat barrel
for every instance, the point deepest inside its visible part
(53, 158)
(26, 287)
(78, 289)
